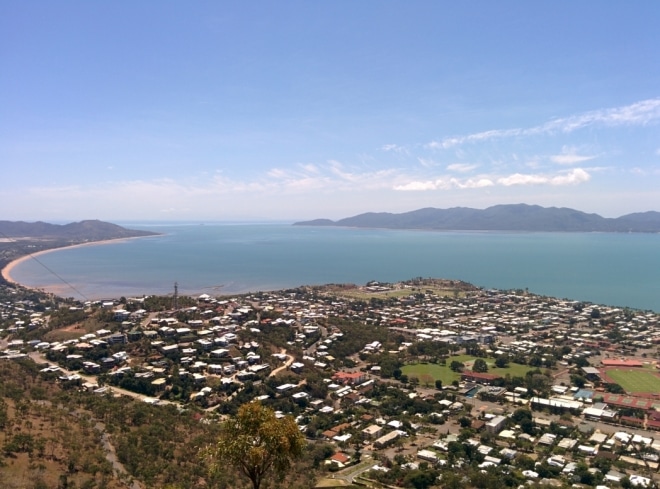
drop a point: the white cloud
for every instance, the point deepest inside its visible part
(471, 138)
(474, 183)
(427, 163)
(395, 148)
(445, 184)
(337, 169)
(332, 176)
(652, 171)
(573, 177)
(421, 186)
(310, 168)
(276, 173)
(522, 179)
(461, 167)
(639, 113)
(576, 176)
(570, 159)
(569, 156)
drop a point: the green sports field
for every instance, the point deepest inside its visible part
(633, 380)
(446, 375)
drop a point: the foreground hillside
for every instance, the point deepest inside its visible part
(520, 217)
(58, 436)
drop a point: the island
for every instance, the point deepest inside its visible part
(513, 217)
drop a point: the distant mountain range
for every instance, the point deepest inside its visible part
(515, 217)
(92, 230)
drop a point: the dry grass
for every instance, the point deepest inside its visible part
(62, 444)
(330, 483)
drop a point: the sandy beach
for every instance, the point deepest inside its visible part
(6, 271)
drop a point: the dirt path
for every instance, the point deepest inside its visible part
(287, 364)
(110, 452)
(111, 456)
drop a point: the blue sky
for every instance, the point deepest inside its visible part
(292, 110)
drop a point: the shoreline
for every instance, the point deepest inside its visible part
(6, 271)
(265, 258)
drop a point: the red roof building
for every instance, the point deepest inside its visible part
(341, 458)
(349, 377)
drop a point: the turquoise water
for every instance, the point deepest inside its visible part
(612, 269)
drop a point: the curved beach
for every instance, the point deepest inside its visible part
(6, 271)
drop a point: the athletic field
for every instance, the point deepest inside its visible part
(446, 375)
(634, 380)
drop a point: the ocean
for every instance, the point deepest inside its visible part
(621, 270)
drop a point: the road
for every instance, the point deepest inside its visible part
(354, 471)
(287, 364)
(39, 358)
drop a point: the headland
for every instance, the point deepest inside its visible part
(23, 241)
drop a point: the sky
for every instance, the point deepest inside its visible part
(291, 110)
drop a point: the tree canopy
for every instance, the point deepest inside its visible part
(256, 442)
(480, 365)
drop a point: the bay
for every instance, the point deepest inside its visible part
(220, 259)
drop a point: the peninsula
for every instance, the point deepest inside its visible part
(20, 239)
(515, 217)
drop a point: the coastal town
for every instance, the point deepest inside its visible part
(407, 382)
(330, 245)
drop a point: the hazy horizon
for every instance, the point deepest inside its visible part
(296, 110)
(192, 221)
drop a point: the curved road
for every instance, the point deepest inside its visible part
(287, 364)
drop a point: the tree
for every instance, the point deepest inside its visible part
(465, 422)
(535, 361)
(502, 361)
(521, 414)
(615, 389)
(357, 455)
(525, 462)
(480, 365)
(456, 366)
(578, 380)
(421, 479)
(528, 426)
(255, 442)
(427, 379)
